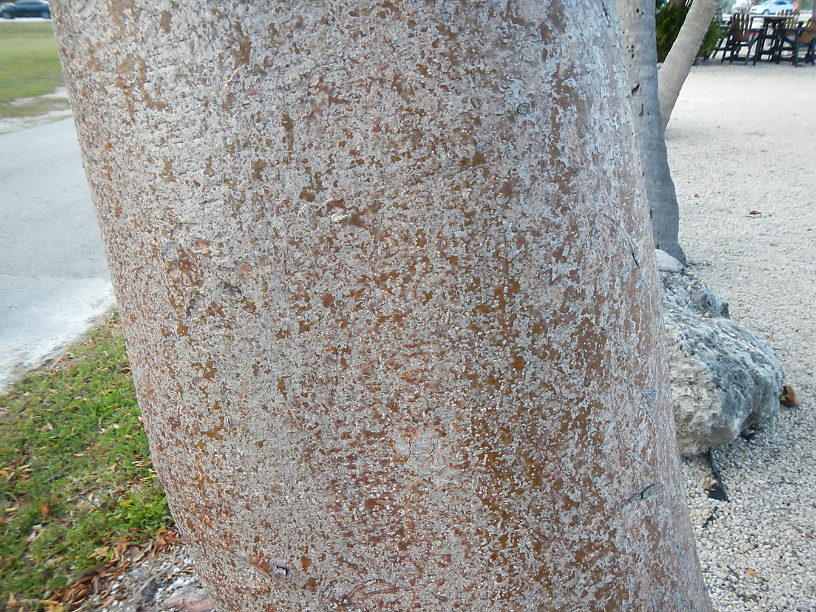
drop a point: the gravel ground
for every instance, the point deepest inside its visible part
(741, 140)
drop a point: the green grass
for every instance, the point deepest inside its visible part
(75, 476)
(29, 65)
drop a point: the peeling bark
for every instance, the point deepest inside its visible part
(390, 299)
(637, 19)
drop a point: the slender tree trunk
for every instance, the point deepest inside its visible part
(390, 299)
(637, 19)
(678, 63)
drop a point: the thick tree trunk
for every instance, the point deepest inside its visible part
(675, 69)
(390, 299)
(637, 19)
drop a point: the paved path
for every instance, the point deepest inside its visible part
(53, 276)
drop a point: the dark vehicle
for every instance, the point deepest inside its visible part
(28, 8)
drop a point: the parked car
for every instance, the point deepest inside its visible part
(772, 7)
(27, 8)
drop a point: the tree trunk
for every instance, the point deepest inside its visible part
(390, 299)
(637, 19)
(678, 63)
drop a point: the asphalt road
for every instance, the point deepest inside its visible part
(53, 275)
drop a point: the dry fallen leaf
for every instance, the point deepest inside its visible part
(36, 532)
(122, 546)
(45, 510)
(167, 538)
(789, 397)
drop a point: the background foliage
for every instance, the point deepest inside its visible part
(668, 21)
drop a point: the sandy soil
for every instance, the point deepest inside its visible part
(741, 140)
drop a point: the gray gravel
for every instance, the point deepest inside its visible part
(741, 141)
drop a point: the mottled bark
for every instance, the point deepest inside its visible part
(390, 299)
(675, 69)
(637, 19)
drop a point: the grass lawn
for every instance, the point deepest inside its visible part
(29, 66)
(76, 481)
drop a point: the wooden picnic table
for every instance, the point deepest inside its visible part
(771, 31)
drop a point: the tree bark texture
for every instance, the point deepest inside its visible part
(637, 19)
(390, 299)
(675, 69)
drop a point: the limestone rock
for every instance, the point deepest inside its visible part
(667, 263)
(190, 599)
(723, 377)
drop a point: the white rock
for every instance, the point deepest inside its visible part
(667, 263)
(723, 378)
